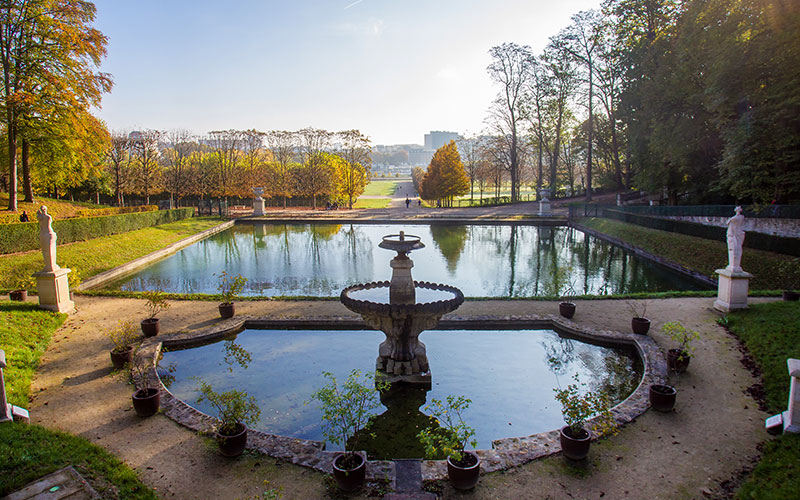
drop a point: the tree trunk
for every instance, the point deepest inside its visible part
(26, 172)
(591, 135)
(12, 163)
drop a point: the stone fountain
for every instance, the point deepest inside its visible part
(402, 309)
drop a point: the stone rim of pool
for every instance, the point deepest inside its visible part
(504, 454)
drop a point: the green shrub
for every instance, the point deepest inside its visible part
(21, 237)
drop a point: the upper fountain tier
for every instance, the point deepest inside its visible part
(401, 243)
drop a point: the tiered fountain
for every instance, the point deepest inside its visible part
(402, 309)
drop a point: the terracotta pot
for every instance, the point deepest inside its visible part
(640, 325)
(567, 309)
(790, 295)
(662, 397)
(575, 448)
(119, 358)
(18, 295)
(233, 445)
(677, 360)
(464, 475)
(146, 401)
(227, 310)
(352, 478)
(151, 327)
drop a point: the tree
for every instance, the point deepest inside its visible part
(445, 178)
(561, 76)
(147, 161)
(49, 53)
(283, 145)
(511, 68)
(226, 152)
(470, 148)
(355, 152)
(177, 181)
(318, 178)
(315, 177)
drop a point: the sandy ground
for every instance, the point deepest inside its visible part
(711, 436)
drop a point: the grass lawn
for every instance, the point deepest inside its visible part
(88, 258)
(380, 188)
(772, 271)
(28, 452)
(25, 331)
(59, 209)
(372, 203)
(771, 332)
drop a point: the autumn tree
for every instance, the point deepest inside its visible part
(445, 178)
(118, 163)
(49, 54)
(354, 149)
(180, 143)
(283, 146)
(147, 160)
(315, 177)
(318, 178)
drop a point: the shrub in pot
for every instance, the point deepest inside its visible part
(662, 397)
(229, 287)
(22, 283)
(124, 337)
(566, 307)
(577, 407)
(346, 409)
(235, 410)
(678, 358)
(639, 323)
(156, 302)
(146, 398)
(450, 439)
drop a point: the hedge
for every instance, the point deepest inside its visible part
(13, 218)
(24, 236)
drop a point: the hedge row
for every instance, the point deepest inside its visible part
(97, 212)
(22, 237)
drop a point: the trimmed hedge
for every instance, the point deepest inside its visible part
(22, 237)
(98, 212)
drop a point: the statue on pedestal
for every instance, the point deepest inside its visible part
(52, 282)
(735, 240)
(47, 239)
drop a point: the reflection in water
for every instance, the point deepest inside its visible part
(511, 387)
(483, 261)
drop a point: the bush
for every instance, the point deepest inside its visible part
(24, 236)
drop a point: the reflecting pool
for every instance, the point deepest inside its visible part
(483, 261)
(508, 374)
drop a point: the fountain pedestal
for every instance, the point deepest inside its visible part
(403, 313)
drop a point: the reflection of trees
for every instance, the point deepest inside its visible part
(450, 240)
(235, 354)
(559, 355)
(393, 433)
(621, 371)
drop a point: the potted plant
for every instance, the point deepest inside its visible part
(235, 410)
(124, 336)
(22, 282)
(156, 302)
(229, 287)
(577, 407)
(679, 357)
(662, 397)
(345, 410)
(639, 323)
(450, 439)
(146, 398)
(567, 307)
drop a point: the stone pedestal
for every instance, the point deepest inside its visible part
(401, 288)
(54, 290)
(732, 291)
(544, 202)
(258, 207)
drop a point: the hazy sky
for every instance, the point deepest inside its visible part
(395, 69)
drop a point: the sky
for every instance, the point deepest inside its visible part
(394, 69)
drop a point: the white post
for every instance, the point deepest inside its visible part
(5, 408)
(791, 418)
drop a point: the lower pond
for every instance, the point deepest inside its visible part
(483, 261)
(508, 374)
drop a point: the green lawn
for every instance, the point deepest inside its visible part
(380, 188)
(25, 331)
(771, 271)
(372, 203)
(28, 452)
(771, 333)
(87, 258)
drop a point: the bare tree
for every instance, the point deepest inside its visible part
(561, 78)
(118, 156)
(470, 150)
(510, 67)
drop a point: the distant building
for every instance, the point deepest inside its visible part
(438, 138)
(420, 156)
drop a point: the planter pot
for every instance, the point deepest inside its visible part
(349, 476)
(146, 401)
(640, 325)
(678, 360)
(227, 310)
(567, 309)
(464, 475)
(662, 397)
(575, 448)
(151, 327)
(22, 295)
(790, 295)
(233, 445)
(119, 358)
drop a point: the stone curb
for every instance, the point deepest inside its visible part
(505, 453)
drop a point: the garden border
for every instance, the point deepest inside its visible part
(505, 453)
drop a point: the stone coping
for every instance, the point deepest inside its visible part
(504, 454)
(491, 220)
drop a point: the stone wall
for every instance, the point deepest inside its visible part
(789, 228)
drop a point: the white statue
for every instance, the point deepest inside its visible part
(735, 240)
(47, 239)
